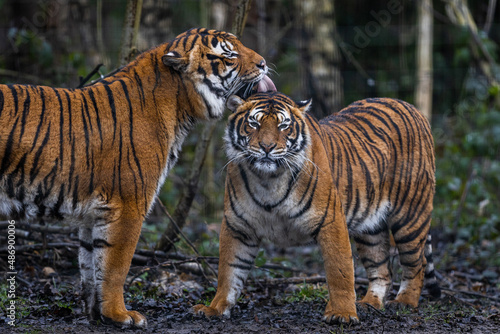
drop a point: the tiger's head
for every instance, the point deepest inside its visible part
(267, 132)
(219, 65)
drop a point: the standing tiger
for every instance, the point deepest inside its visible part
(97, 156)
(366, 171)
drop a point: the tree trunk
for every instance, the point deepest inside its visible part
(423, 90)
(128, 48)
(459, 14)
(156, 24)
(320, 56)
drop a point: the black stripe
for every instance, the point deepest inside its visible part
(86, 135)
(36, 167)
(96, 110)
(71, 166)
(1, 102)
(85, 104)
(246, 261)
(131, 132)
(240, 266)
(61, 128)
(40, 122)
(138, 84)
(315, 233)
(369, 263)
(75, 192)
(111, 100)
(60, 199)
(413, 235)
(20, 169)
(232, 193)
(267, 207)
(10, 188)
(430, 274)
(8, 149)
(26, 109)
(367, 243)
(101, 243)
(70, 116)
(137, 196)
(13, 90)
(87, 245)
(307, 206)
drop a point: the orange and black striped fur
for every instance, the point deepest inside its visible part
(367, 171)
(97, 156)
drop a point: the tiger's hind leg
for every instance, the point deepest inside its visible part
(87, 274)
(373, 248)
(410, 237)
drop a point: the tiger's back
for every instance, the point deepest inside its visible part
(381, 153)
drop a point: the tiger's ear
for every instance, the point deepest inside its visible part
(234, 102)
(175, 60)
(304, 106)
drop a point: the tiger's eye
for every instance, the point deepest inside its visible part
(253, 124)
(283, 126)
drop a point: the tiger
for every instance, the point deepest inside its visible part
(361, 173)
(96, 157)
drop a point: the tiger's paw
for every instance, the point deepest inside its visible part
(341, 318)
(400, 304)
(368, 304)
(208, 311)
(127, 319)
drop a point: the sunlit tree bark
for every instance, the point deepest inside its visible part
(423, 89)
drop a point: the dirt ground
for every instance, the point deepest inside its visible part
(53, 308)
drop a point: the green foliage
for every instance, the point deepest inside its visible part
(22, 304)
(468, 176)
(139, 292)
(32, 43)
(309, 293)
(207, 296)
(209, 245)
(260, 259)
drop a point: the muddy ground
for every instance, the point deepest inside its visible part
(51, 305)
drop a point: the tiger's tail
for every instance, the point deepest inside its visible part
(431, 283)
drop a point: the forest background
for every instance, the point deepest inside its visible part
(441, 56)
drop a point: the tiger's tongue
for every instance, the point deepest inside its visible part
(266, 85)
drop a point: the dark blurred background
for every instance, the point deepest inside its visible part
(440, 55)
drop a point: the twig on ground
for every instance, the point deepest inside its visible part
(24, 248)
(475, 294)
(190, 244)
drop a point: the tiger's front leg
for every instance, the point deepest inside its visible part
(237, 255)
(111, 248)
(333, 239)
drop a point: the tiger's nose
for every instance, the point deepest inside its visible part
(267, 147)
(262, 64)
